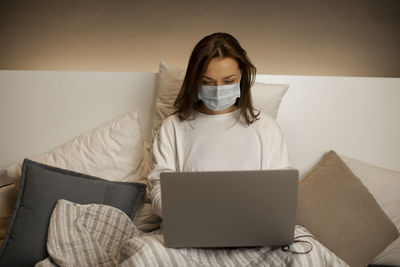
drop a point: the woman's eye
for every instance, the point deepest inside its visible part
(208, 83)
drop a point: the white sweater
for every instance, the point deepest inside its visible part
(216, 142)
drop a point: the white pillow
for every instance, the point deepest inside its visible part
(266, 97)
(169, 84)
(384, 185)
(112, 151)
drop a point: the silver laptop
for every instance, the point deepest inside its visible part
(229, 208)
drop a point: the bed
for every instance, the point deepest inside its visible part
(97, 127)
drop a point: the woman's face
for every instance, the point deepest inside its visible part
(222, 71)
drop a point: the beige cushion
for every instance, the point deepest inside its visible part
(384, 185)
(10, 174)
(8, 196)
(338, 209)
(266, 96)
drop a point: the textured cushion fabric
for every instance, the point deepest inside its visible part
(266, 97)
(8, 196)
(384, 185)
(335, 206)
(112, 151)
(40, 189)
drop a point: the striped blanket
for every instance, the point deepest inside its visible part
(100, 235)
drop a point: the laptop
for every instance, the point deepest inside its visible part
(229, 208)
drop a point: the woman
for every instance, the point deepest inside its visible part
(215, 126)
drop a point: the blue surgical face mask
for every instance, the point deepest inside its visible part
(220, 97)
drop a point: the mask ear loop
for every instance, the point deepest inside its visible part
(287, 248)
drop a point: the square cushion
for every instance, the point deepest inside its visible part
(335, 206)
(40, 188)
(384, 185)
(266, 97)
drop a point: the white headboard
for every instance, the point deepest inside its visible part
(356, 116)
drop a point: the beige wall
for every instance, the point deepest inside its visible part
(339, 38)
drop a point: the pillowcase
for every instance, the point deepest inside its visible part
(335, 206)
(384, 185)
(111, 151)
(170, 80)
(40, 188)
(266, 97)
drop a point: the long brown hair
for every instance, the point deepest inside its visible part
(221, 45)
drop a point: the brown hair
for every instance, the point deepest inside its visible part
(216, 45)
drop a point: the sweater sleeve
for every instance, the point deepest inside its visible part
(277, 156)
(163, 161)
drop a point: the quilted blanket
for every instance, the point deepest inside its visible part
(100, 235)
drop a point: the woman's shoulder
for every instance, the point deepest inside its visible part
(171, 119)
(264, 119)
(266, 123)
(171, 122)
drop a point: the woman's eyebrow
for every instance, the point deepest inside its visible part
(224, 78)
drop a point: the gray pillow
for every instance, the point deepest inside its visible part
(40, 188)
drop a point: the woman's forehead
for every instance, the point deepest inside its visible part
(222, 67)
